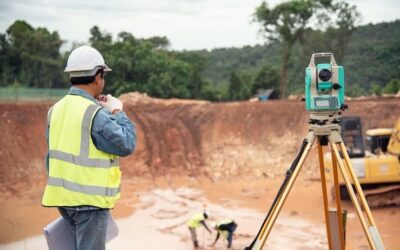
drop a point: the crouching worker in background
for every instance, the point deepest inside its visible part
(194, 223)
(226, 228)
(86, 134)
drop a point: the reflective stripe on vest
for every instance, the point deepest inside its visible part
(79, 173)
(82, 160)
(194, 222)
(93, 190)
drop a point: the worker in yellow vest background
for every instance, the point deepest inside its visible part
(86, 133)
(194, 222)
(225, 228)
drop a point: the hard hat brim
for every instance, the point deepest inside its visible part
(88, 72)
(106, 68)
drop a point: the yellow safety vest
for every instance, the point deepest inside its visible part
(79, 173)
(194, 222)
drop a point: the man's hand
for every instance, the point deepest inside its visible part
(111, 103)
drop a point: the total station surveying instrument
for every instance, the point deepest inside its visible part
(324, 96)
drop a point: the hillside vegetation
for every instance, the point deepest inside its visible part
(30, 57)
(370, 61)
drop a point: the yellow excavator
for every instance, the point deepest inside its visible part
(376, 161)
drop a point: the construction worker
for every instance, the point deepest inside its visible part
(85, 138)
(194, 222)
(226, 228)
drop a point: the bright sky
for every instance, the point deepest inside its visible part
(188, 24)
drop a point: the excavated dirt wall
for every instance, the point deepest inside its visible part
(183, 138)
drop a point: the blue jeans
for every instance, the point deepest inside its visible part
(231, 230)
(89, 227)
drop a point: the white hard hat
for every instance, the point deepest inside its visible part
(85, 61)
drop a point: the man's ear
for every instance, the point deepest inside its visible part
(97, 79)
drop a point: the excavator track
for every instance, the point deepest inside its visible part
(377, 197)
(383, 196)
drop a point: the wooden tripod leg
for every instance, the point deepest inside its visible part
(357, 185)
(373, 229)
(324, 194)
(353, 195)
(270, 223)
(338, 201)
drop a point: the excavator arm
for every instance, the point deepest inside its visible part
(394, 143)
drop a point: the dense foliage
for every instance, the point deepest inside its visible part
(31, 57)
(371, 60)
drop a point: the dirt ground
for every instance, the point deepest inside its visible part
(234, 154)
(159, 209)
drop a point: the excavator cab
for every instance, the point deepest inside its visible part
(352, 136)
(377, 140)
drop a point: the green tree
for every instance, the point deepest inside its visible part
(32, 55)
(339, 33)
(392, 87)
(196, 82)
(4, 61)
(266, 78)
(355, 90)
(376, 89)
(240, 86)
(142, 65)
(100, 40)
(210, 92)
(285, 23)
(160, 42)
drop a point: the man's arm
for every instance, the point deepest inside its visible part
(113, 133)
(46, 159)
(205, 225)
(216, 239)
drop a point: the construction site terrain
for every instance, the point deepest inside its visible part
(230, 156)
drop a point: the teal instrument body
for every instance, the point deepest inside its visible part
(324, 85)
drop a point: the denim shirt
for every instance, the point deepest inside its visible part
(111, 133)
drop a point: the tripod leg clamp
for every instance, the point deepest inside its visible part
(289, 172)
(376, 237)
